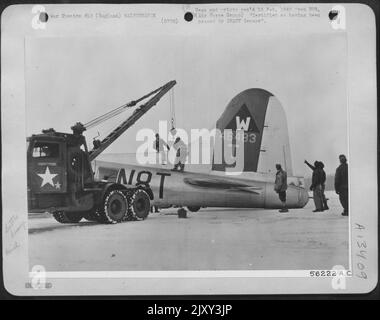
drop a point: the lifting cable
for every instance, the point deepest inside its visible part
(117, 110)
(172, 110)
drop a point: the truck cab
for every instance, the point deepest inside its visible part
(58, 172)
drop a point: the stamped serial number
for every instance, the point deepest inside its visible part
(330, 273)
(323, 273)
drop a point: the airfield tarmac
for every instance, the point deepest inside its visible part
(211, 239)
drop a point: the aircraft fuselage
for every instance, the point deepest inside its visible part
(200, 189)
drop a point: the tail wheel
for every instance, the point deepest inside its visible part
(67, 217)
(114, 208)
(140, 205)
(194, 208)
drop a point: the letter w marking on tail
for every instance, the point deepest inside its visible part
(241, 124)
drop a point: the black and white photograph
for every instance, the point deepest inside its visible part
(202, 148)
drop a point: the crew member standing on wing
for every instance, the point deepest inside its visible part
(181, 155)
(280, 186)
(159, 145)
(341, 183)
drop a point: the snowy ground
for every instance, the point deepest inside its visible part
(211, 239)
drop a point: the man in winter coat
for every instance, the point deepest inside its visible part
(320, 163)
(280, 186)
(181, 155)
(341, 183)
(317, 181)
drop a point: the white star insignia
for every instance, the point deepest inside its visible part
(58, 185)
(47, 177)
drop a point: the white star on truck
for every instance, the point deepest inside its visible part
(47, 177)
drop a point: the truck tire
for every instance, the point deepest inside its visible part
(139, 205)
(114, 208)
(67, 217)
(193, 208)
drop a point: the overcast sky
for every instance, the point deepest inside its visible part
(78, 78)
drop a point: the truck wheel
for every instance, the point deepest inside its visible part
(115, 207)
(67, 217)
(193, 208)
(140, 205)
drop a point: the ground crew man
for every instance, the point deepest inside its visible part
(341, 183)
(280, 186)
(181, 155)
(159, 145)
(318, 179)
(324, 199)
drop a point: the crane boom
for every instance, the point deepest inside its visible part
(137, 114)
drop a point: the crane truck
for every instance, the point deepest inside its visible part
(61, 180)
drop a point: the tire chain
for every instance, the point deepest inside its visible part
(62, 217)
(132, 199)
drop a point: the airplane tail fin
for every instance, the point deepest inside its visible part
(259, 115)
